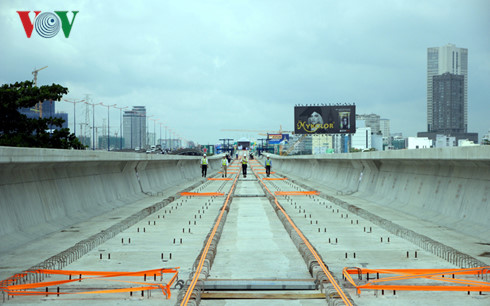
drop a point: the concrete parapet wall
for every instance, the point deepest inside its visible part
(449, 186)
(45, 190)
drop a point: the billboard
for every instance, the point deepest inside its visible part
(277, 138)
(332, 119)
(208, 149)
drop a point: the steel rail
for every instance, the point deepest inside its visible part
(330, 277)
(195, 278)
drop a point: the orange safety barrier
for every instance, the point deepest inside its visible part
(202, 194)
(26, 289)
(219, 179)
(319, 260)
(296, 192)
(272, 172)
(274, 178)
(197, 273)
(428, 274)
(228, 172)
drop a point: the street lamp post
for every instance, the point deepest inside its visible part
(141, 127)
(74, 102)
(147, 129)
(93, 124)
(132, 117)
(160, 135)
(166, 139)
(108, 125)
(154, 132)
(170, 135)
(121, 122)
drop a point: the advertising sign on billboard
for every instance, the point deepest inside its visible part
(277, 138)
(336, 119)
(208, 149)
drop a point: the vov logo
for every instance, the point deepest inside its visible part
(47, 24)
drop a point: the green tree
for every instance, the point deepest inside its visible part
(19, 131)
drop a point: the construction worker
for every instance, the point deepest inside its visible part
(224, 165)
(244, 164)
(204, 165)
(268, 164)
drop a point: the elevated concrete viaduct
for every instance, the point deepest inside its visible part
(108, 211)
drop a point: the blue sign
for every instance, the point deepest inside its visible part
(278, 138)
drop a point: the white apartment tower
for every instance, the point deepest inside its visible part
(446, 59)
(134, 128)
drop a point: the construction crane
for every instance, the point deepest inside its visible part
(35, 74)
(39, 106)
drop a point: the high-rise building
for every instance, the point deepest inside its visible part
(46, 109)
(320, 143)
(134, 128)
(384, 125)
(372, 121)
(447, 93)
(448, 104)
(441, 60)
(362, 138)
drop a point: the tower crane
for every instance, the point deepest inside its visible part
(35, 74)
(39, 106)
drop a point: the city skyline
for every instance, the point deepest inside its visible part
(203, 67)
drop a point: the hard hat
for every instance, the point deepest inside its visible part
(244, 154)
(268, 155)
(204, 154)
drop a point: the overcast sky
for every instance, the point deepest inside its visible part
(203, 66)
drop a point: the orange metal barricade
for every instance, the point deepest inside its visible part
(296, 192)
(202, 194)
(27, 289)
(436, 275)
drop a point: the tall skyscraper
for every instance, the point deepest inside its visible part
(441, 60)
(134, 128)
(448, 104)
(447, 93)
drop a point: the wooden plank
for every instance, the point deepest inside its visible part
(259, 295)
